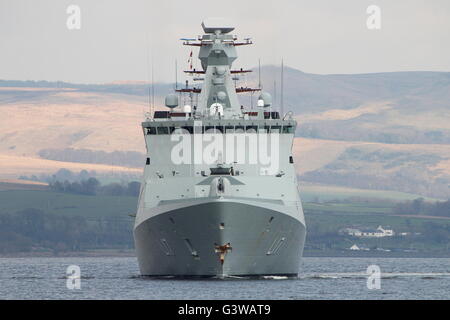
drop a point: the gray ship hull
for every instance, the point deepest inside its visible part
(180, 238)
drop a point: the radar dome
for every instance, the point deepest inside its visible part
(171, 100)
(220, 70)
(221, 95)
(266, 99)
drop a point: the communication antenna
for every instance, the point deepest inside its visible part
(149, 100)
(275, 91)
(153, 86)
(176, 75)
(148, 79)
(281, 93)
(150, 87)
(259, 73)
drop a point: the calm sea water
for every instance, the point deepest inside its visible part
(320, 278)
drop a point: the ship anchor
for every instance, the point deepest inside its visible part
(222, 251)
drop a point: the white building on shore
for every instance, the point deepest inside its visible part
(379, 232)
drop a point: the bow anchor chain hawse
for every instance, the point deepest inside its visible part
(222, 251)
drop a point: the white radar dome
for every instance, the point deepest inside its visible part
(187, 108)
(264, 100)
(221, 95)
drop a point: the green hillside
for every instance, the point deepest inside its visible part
(46, 222)
(313, 192)
(67, 204)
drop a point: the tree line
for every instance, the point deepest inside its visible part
(34, 230)
(421, 207)
(92, 186)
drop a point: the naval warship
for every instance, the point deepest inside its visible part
(219, 195)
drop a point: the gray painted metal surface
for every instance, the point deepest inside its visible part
(230, 216)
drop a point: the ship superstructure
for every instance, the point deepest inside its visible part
(219, 194)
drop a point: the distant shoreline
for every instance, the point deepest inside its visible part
(70, 254)
(131, 254)
(365, 254)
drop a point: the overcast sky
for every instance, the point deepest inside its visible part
(316, 36)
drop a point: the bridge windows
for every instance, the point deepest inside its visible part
(199, 129)
(271, 115)
(220, 171)
(275, 129)
(188, 129)
(162, 130)
(264, 129)
(288, 129)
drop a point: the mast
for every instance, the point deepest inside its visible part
(217, 53)
(275, 91)
(176, 75)
(259, 73)
(147, 40)
(153, 88)
(281, 93)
